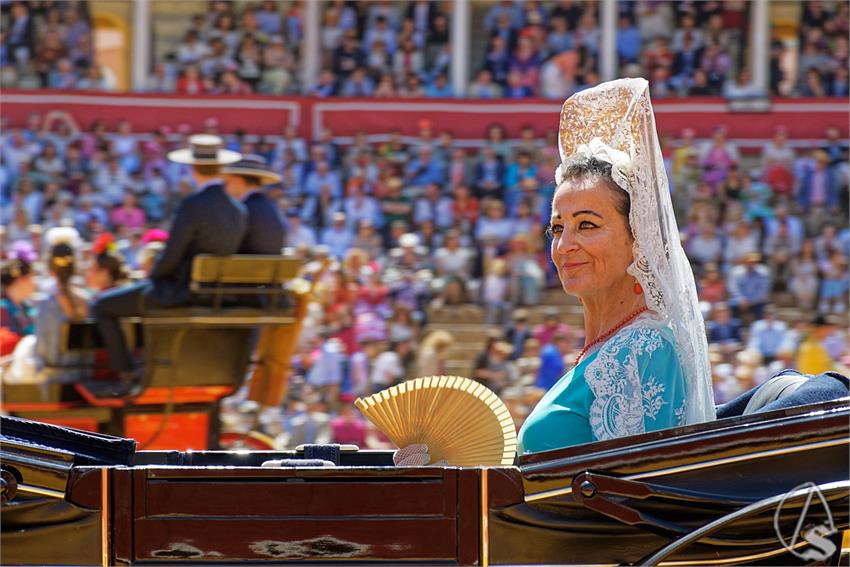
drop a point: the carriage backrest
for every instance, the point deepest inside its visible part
(247, 269)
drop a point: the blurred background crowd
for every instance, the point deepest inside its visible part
(392, 49)
(438, 259)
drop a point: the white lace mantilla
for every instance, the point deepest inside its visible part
(614, 122)
(622, 398)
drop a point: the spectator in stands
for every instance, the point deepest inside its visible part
(383, 32)
(559, 38)
(433, 351)
(526, 60)
(269, 19)
(741, 88)
(812, 355)
(409, 59)
(716, 64)
(818, 187)
(412, 87)
(17, 313)
(424, 169)
(361, 207)
(348, 56)
(711, 286)
(587, 34)
(723, 328)
(297, 234)
(749, 286)
(718, 156)
(813, 84)
(494, 225)
(358, 84)
(768, 335)
(518, 332)
(65, 301)
(20, 38)
(389, 366)
(496, 371)
(128, 215)
(516, 87)
(191, 82)
(192, 50)
(835, 283)
(552, 360)
(490, 174)
(741, 243)
(349, 427)
(439, 87)
(337, 236)
(628, 40)
(483, 86)
(497, 59)
(706, 247)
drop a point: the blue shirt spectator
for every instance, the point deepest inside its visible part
(269, 19)
(552, 366)
(749, 285)
(424, 169)
(432, 207)
(628, 41)
(358, 84)
(383, 33)
(323, 175)
(723, 328)
(439, 88)
(359, 207)
(337, 237)
(768, 335)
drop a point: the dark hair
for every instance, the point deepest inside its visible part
(13, 269)
(579, 167)
(62, 264)
(112, 263)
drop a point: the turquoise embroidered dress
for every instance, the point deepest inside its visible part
(634, 383)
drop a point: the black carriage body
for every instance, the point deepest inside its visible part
(84, 501)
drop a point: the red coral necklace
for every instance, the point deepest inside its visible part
(608, 334)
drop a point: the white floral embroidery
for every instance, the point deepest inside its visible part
(622, 399)
(679, 412)
(653, 396)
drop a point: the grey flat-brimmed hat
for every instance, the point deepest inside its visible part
(204, 149)
(253, 166)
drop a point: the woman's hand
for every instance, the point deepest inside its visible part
(415, 455)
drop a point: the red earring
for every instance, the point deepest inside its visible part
(637, 288)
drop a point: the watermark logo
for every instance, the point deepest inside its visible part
(820, 548)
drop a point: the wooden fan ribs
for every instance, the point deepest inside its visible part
(460, 420)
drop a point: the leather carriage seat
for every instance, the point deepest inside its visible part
(787, 389)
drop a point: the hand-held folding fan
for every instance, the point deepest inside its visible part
(460, 420)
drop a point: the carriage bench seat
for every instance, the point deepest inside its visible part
(230, 317)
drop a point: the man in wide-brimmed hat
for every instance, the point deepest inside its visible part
(207, 222)
(245, 180)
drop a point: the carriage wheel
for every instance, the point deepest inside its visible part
(252, 440)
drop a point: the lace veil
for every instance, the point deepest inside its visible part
(614, 122)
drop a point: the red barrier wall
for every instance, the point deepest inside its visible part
(467, 119)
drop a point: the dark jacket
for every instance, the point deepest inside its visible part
(265, 233)
(208, 222)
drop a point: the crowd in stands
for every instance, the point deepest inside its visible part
(418, 227)
(49, 44)
(393, 49)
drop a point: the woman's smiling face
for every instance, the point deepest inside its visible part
(591, 241)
